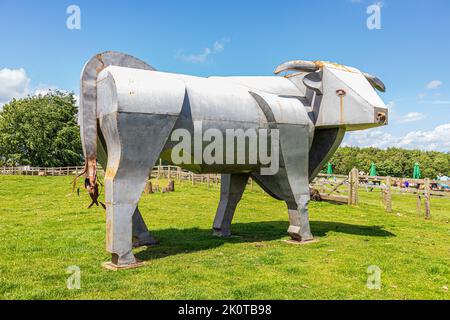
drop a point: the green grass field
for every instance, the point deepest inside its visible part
(44, 229)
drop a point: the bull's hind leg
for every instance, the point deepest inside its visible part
(141, 234)
(232, 188)
(134, 142)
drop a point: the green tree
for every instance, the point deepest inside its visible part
(393, 162)
(40, 131)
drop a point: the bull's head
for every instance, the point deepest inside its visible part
(339, 95)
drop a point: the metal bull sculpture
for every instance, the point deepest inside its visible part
(129, 111)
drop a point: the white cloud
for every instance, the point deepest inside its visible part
(410, 117)
(217, 47)
(436, 139)
(435, 84)
(14, 83)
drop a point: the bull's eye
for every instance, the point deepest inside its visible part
(341, 92)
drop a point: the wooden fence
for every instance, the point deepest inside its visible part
(168, 172)
(335, 188)
(340, 188)
(37, 171)
(177, 173)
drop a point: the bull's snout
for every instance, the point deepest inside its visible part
(381, 118)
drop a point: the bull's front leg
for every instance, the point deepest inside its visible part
(290, 189)
(294, 141)
(299, 228)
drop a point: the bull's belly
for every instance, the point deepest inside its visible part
(244, 140)
(221, 169)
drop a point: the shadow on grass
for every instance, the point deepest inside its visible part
(176, 241)
(321, 228)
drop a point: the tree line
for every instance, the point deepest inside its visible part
(395, 162)
(42, 131)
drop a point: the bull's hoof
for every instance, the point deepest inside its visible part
(297, 235)
(150, 243)
(221, 233)
(145, 240)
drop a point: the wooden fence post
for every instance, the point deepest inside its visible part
(350, 187)
(419, 204)
(354, 183)
(148, 187)
(427, 199)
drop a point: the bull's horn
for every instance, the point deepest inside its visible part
(298, 65)
(375, 82)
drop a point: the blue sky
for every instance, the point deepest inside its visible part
(410, 52)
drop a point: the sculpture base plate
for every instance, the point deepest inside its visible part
(299, 243)
(114, 267)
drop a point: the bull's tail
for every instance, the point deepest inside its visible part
(87, 116)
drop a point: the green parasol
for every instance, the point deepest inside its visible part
(373, 170)
(417, 174)
(330, 168)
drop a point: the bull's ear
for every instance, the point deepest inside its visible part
(375, 82)
(313, 81)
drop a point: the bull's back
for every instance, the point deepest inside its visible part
(149, 92)
(199, 104)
